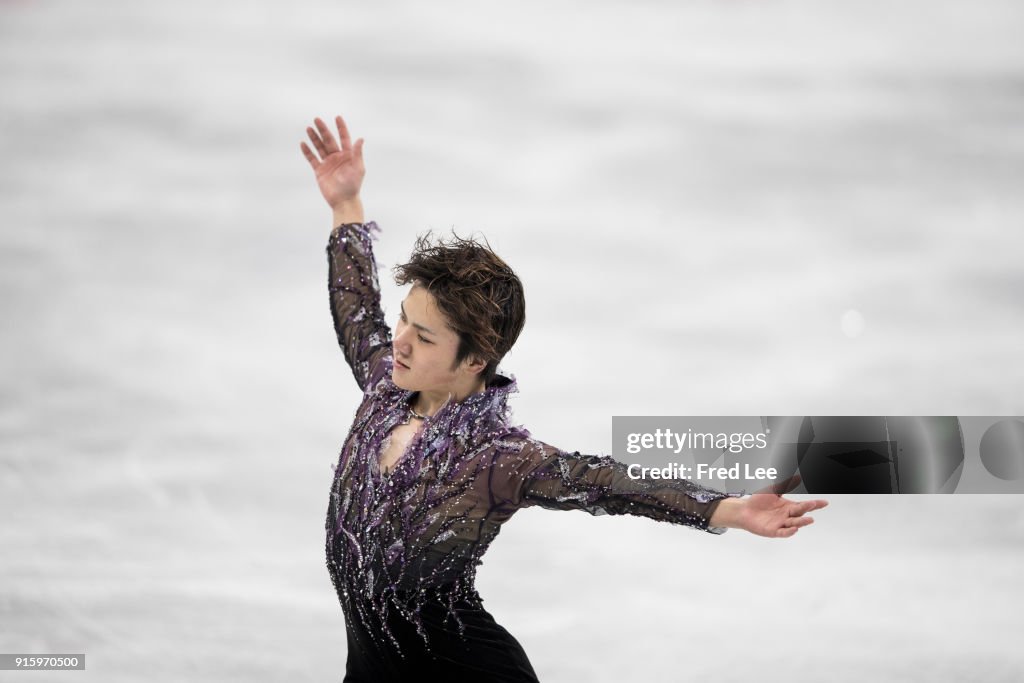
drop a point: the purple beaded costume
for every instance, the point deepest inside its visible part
(402, 548)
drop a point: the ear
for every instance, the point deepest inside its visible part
(474, 364)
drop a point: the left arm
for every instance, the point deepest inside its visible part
(549, 477)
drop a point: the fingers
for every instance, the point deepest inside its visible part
(321, 148)
(308, 153)
(809, 505)
(346, 140)
(797, 509)
(325, 144)
(795, 518)
(792, 525)
(330, 144)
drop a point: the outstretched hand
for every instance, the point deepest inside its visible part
(767, 513)
(339, 171)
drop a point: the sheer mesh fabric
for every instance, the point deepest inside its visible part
(407, 543)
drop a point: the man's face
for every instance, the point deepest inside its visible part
(424, 346)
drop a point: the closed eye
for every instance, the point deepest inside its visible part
(401, 316)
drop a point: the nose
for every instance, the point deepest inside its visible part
(401, 343)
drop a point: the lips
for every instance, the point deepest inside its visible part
(401, 364)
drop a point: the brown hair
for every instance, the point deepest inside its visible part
(479, 295)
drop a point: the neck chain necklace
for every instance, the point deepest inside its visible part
(412, 411)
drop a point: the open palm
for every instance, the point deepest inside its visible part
(339, 170)
(767, 513)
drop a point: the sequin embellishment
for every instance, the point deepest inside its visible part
(417, 533)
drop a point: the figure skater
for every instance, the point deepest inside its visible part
(432, 465)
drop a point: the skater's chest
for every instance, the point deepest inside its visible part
(396, 445)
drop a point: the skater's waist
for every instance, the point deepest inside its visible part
(431, 567)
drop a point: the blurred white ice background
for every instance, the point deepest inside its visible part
(728, 207)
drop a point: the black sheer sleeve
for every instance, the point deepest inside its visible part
(363, 335)
(549, 477)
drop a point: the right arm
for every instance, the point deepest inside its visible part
(363, 335)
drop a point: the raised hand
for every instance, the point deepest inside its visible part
(339, 171)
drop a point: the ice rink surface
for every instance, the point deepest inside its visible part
(717, 208)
